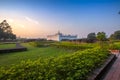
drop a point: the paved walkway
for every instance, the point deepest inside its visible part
(114, 72)
(18, 45)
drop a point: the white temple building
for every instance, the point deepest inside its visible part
(59, 37)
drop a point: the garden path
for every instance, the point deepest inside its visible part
(18, 45)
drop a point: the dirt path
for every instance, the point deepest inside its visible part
(18, 45)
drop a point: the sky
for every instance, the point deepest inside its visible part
(39, 18)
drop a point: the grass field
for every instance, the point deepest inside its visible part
(5, 46)
(33, 53)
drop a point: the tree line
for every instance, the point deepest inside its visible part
(7, 34)
(101, 36)
(6, 31)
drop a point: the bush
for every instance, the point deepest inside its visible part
(69, 67)
(70, 45)
(35, 44)
(114, 46)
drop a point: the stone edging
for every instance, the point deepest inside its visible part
(98, 73)
(18, 48)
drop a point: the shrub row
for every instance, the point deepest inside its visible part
(69, 45)
(69, 67)
(40, 43)
(114, 46)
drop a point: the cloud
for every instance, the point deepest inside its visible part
(31, 20)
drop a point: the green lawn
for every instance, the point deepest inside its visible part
(5, 46)
(71, 65)
(33, 53)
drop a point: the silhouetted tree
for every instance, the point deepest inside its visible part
(119, 12)
(6, 31)
(115, 35)
(101, 36)
(91, 37)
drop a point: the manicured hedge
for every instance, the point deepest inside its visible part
(69, 67)
(66, 45)
(70, 45)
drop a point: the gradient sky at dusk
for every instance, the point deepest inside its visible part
(38, 18)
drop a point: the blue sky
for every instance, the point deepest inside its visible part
(38, 18)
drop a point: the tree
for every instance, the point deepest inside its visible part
(111, 37)
(91, 37)
(6, 31)
(115, 35)
(101, 36)
(119, 12)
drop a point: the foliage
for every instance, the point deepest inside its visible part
(101, 36)
(40, 43)
(115, 35)
(119, 12)
(69, 67)
(91, 37)
(6, 31)
(114, 46)
(33, 53)
(103, 44)
(35, 44)
(75, 46)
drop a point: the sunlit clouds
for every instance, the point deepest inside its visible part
(39, 18)
(31, 20)
(25, 27)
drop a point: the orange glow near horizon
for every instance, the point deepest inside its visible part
(26, 27)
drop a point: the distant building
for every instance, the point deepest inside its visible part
(59, 37)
